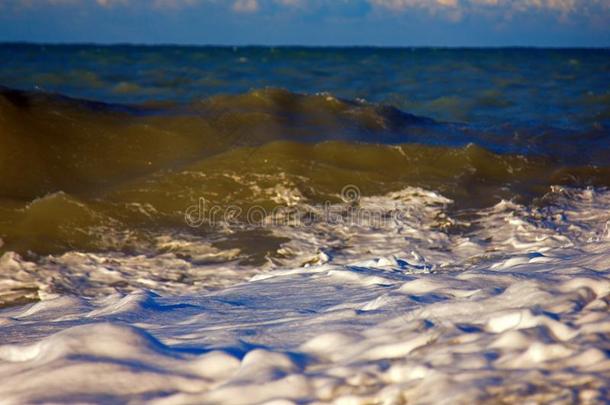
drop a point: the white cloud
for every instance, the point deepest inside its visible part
(290, 3)
(561, 6)
(246, 6)
(399, 5)
(172, 3)
(110, 3)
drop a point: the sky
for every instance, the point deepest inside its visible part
(554, 23)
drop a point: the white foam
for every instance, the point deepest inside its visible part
(514, 311)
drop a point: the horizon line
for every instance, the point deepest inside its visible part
(253, 45)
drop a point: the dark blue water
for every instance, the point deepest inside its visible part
(523, 88)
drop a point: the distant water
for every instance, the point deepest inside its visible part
(523, 87)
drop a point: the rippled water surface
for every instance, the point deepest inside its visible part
(563, 88)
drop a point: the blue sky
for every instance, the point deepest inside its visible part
(310, 22)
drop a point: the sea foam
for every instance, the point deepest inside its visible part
(514, 311)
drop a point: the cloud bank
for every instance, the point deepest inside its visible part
(563, 6)
(456, 8)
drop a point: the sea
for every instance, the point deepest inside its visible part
(295, 225)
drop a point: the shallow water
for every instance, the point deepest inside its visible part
(331, 225)
(86, 176)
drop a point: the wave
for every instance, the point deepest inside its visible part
(82, 175)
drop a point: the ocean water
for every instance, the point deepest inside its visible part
(304, 225)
